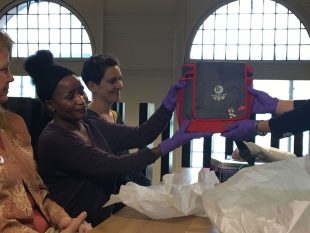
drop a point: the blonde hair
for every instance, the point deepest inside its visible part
(5, 43)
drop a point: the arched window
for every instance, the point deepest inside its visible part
(43, 25)
(253, 31)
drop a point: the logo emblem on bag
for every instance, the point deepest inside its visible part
(218, 93)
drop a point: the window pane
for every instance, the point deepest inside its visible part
(220, 37)
(55, 21)
(280, 52)
(209, 22)
(220, 21)
(65, 35)
(13, 34)
(54, 8)
(22, 21)
(22, 9)
(243, 52)
(293, 22)
(245, 21)
(208, 52)
(208, 37)
(245, 6)
(256, 52)
(232, 21)
(233, 7)
(44, 46)
(85, 37)
(222, 10)
(198, 37)
(281, 36)
(43, 21)
(32, 48)
(293, 36)
(196, 51)
(65, 21)
(257, 6)
(269, 7)
(56, 49)
(257, 21)
(268, 37)
(219, 52)
(43, 35)
(86, 50)
(232, 52)
(257, 37)
(22, 36)
(269, 21)
(76, 50)
(33, 36)
(33, 21)
(22, 50)
(75, 22)
(55, 36)
(76, 36)
(244, 36)
(43, 8)
(232, 37)
(292, 52)
(33, 9)
(304, 37)
(281, 9)
(305, 52)
(281, 21)
(268, 52)
(65, 50)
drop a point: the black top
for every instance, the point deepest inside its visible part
(80, 176)
(292, 122)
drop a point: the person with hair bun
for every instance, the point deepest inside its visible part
(24, 203)
(76, 154)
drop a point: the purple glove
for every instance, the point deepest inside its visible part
(179, 138)
(171, 98)
(243, 130)
(263, 102)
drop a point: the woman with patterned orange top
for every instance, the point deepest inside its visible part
(24, 206)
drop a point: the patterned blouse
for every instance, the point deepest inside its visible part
(19, 178)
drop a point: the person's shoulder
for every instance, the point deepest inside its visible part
(15, 120)
(91, 113)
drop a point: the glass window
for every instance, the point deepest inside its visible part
(44, 25)
(247, 24)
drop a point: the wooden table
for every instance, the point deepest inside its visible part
(128, 220)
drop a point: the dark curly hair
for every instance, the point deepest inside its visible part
(95, 67)
(45, 73)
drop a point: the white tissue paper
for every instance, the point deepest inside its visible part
(167, 200)
(269, 154)
(270, 198)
